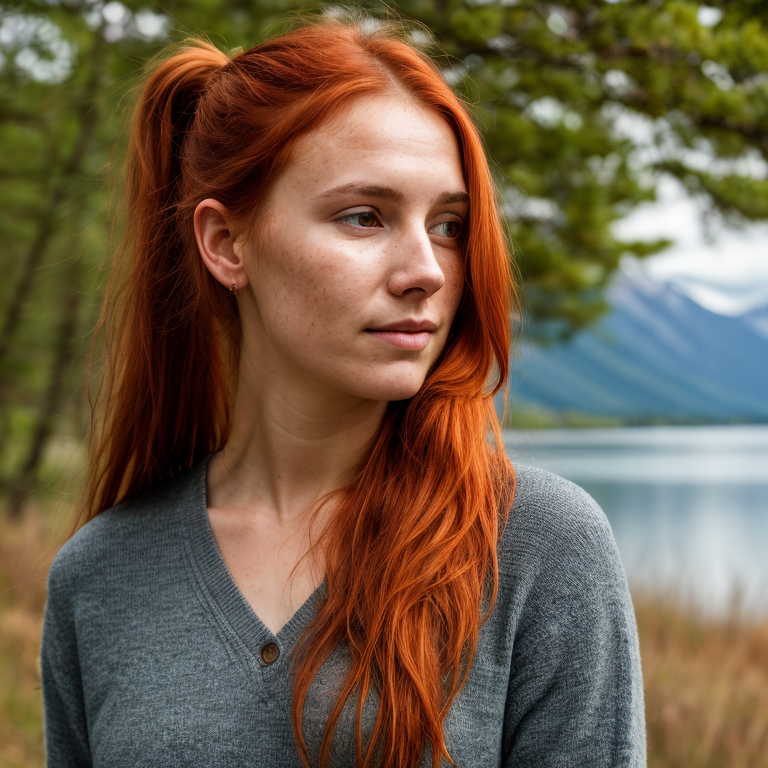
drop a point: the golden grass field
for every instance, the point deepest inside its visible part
(706, 682)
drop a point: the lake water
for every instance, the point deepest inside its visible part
(688, 505)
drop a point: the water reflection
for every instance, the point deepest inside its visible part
(688, 505)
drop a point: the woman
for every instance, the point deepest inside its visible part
(308, 555)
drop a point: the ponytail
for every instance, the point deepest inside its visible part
(164, 398)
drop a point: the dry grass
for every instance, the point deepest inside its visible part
(706, 689)
(706, 682)
(26, 551)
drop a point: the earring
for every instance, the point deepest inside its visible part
(232, 288)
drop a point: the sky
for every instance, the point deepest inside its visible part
(723, 269)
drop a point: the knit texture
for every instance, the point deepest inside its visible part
(151, 655)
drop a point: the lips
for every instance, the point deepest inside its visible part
(413, 335)
(406, 326)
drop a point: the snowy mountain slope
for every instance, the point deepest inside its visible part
(657, 354)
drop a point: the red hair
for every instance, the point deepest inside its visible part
(410, 551)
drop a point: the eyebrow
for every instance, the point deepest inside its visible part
(448, 198)
(387, 193)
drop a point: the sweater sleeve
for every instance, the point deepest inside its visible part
(575, 695)
(66, 734)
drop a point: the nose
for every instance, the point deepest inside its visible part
(415, 267)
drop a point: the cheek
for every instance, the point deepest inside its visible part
(326, 290)
(306, 289)
(454, 283)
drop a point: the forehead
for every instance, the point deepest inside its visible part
(383, 139)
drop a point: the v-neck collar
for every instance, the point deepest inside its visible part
(215, 578)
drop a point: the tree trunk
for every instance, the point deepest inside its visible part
(60, 192)
(71, 169)
(63, 356)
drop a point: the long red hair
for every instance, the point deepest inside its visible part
(410, 551)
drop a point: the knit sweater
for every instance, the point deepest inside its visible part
(151, 656)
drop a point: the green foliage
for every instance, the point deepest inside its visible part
(583, 105)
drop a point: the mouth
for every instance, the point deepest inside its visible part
(406, 334)
(406, 326)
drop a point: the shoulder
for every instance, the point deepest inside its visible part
(556, 531)
(564, 618)
(563, 595)
(126, 535)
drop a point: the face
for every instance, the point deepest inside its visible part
(356, 271)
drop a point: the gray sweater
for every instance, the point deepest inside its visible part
(151, 656)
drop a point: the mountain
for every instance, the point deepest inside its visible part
(657, 354)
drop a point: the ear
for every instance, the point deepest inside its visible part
(216, 242)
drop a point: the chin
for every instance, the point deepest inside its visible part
(392, 387)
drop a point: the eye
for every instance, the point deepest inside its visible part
(450, 229)
(362, 219)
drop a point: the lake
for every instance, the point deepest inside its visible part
(688, 505)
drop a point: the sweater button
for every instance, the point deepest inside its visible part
(269, 653)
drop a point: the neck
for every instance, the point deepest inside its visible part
(290, 445)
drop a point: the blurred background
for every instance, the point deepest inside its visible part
(630, 144)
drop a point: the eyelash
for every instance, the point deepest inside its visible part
(346, 220)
